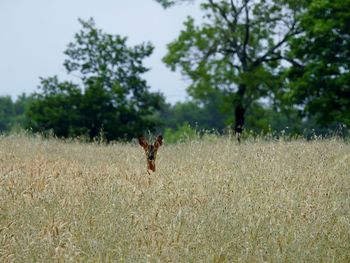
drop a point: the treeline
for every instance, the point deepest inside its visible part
(175, 121)
(260, 66)
(13, 113)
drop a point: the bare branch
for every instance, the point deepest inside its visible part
(293, 62)
(231, 24)
(220, 10)
(212, 50)
(233, 7)
(271, 52)
(247, 32)
(276, 57)
(235, 66)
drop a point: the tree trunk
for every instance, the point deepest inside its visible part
(239, 112)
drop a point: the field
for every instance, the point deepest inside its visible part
(210, 200)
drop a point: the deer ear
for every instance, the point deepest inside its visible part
(158, 142)
(143, 142)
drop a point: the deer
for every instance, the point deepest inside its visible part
(151, 151)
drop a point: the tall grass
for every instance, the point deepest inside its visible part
(211, 200)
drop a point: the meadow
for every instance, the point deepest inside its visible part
(210, 200)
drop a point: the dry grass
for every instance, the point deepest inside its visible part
(210, 201)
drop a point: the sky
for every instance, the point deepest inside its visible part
(35, 33)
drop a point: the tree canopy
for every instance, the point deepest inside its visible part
(168, 3)
(262, 65)
(12, 113)
(293, 54)
(237, 51)
(320, 82)
(110, 97)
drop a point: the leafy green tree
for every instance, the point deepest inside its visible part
(195, 114)
(6, 113)
(12, 113)
(20, 107)
(181, 133)
(111, 95)
(263, 119)
(237, 51)
(56, 107)
(168, 3)
(320, 82)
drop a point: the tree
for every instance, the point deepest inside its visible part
(169, 3)
(57, 108)
(6, 113)
(111, 95)
(320, 82)
(238, 51)
(197, 115)
(12, 113)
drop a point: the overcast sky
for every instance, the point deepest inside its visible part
(34, 34)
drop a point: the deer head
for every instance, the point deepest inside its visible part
(151, 151)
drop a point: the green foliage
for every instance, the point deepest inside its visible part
(181, 133)
(21, 106)
(168, 3)
(261, 119)
(56, 108)
(6, 112)
(197, 114)
(112, 95)
(264, 119)
(320, 82)
(12, 113)
(233, 58)
(236, 52)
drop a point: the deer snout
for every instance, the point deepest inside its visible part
(151, 157)
(151, 154)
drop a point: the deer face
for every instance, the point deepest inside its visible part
(151, 151)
